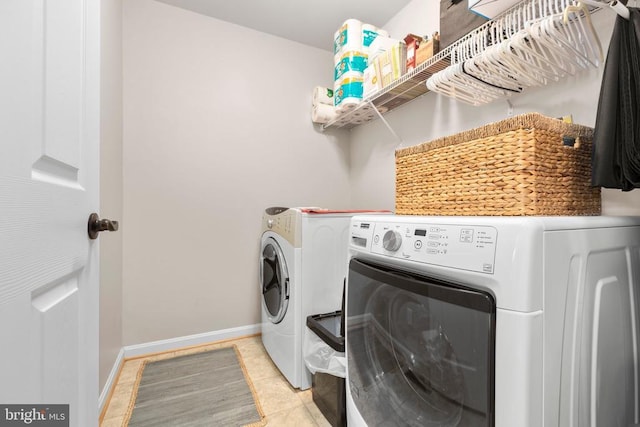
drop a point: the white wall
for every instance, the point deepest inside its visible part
(110, 185)
(432, 116)
(417, 17)
(216, 128)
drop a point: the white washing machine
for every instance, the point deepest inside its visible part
(303, 266)
(493, 321)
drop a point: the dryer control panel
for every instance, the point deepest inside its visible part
(466, 247)
(285, 222)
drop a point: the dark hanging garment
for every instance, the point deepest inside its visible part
(616, 140)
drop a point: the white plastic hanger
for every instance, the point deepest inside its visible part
(588, 32)
(541, 41)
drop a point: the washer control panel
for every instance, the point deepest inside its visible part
(466, 247)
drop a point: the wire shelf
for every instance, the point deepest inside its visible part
(413, 84)
(405, 89)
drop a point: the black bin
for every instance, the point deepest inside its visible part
(328, 391)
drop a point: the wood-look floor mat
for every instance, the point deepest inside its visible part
(209, 388)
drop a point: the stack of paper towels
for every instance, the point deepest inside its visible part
(351, 52)
(322, 108)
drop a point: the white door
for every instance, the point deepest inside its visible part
(49, 131)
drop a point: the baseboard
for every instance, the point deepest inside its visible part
(189, 340)
(111, 381)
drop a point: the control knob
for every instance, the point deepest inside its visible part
(391, 241)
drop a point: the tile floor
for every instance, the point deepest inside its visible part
(282, 405)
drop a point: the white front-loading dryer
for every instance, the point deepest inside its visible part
(303, 266)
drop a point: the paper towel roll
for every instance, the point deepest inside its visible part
(369, 34)
(348, 92)
(322, 95)
(353, 60)
(323, 113)
(348, 36)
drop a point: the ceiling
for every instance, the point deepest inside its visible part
(311, 22)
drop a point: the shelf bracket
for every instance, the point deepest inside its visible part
(385, 122)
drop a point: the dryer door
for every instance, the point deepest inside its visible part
(274, 279)
(419, 350)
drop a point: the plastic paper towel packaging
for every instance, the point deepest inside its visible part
(369, 34)
(322, 95)
(350, 61)
(348, 90)
(348, 37)
(323, 113)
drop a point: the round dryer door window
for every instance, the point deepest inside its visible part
(275, 281)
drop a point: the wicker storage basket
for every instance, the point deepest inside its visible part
(518, 166)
